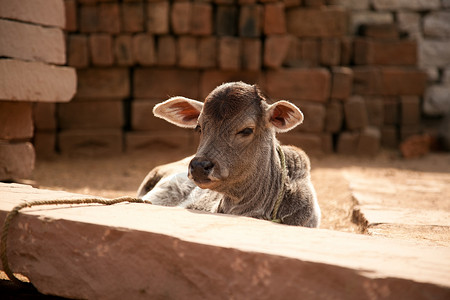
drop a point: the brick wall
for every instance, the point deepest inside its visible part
(352, 68)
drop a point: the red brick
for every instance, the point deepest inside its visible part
(369, 142)
(391, 110)
(355, 113)
(90, 142)
(389, 136)
(77, 51)
(275, 50)
(347, 143)
(170, 139)
(123, 50)
(334, 117)
(207, 51)
(101, 49)
(251, 54)
(32, 42)
(250, 20)
(202, 18)
(299, 84)
(88, 19)
(98, 83)
(180, 17)
(142, 118)
(385, 52)
(310, 143)
(327, 143)
(44, 116)
(407, 131)
(43, 12)
(160, 84)
(324, 22)
(375, 111)
(342, 83)
(166, 51)
(410, 110)
(91, 115)
(16, 161)
(16, 120)
(346, 51)
(416, 146)
(71, 15)
(274, 18)
(330, 52)
(132, 17)
(144, 49)
(243, 2)
(226, 20)
(314, 117)
(158, 17)
(229, 53)
(109, 17)
(314, 3)
(310, 52)
(292, 3)
(380, 31)
(45, 144)
(188, 52)
(44, 83)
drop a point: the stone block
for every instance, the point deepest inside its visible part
(212, 78)
(42, 12)
(144, 49)
(389, 136)
(434, 53)
(109, 18)
(321, 23)
(375, 111)
(16, 120)
(170, 139)
(44, 83)
(342, 83)
(123, 50)
(88, 142)
(166, 51)
(334, 117)
(385, 52)
(71, 12)
(437, 100)
(32, 42)
(160, 84)
(274, 18)
(100, 83)
(369, 142)
(207, 50)
(132, 17)
(275, 50)
(229, 53)
(314, 117)
(77, 51)
(251, 54)
(88, 18)
(309, 142)
(101, 49)
(299, 84)
(355, 113)
(409, 21)
(91, 115)
(180, 17)
(250, 20)
(226, 20)
(16, 161)
(410, 110)
(158, 17)
(365, 17)
(330, 52)
(347, 143)
(44, 116)
(201, 19)
(188, 52)
(44, 144)
(391, 111)
(406, 4)
(381, 31)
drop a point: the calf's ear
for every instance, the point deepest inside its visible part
(284, 115)
(180, 111)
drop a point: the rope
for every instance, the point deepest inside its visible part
(15, 211)
(283, 182)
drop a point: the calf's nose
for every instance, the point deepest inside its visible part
(200, 167)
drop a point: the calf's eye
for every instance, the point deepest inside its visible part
(246, 131)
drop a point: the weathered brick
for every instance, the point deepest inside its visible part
(292, 3)
(389, 136)
(88, 19)
(416, 146)
(180, 17)
(32, 42)
(346, 51)
(355, 113)
(88, 142)
(45, 144)
(385, 52)
(330, 52)
(43, 82)
(77, 51)
(369, 142)
(436, 24)
(188, 52)
(409, 21)
(310, 143)
(158, 17)
(274, 18)
(71, 15)
(226, 20)
(144, 49)
(101, 49)
(250, 20)
(314, 3)
(334, 117)
(16, 160)
(407, 131)
(123, 50)
(347, 143)
(142, 118)
(251, 54)
(314, 117)
(327, 143)
(391, 110)
(42, 12)
(202, 18)
(109, 17)
(16, 120)
(365, 17)
(91, 115)
(310, 52)
(375, 111)
(170, 139)
(44, 116)
(410, 110)
(229, 53)
(275, 50)
(406, 4)
(132, 17)
(103, 83)
(434, 52)
(166, 51)
(299, 84)
(380, 31)
(163, 83)
(342, 83)
(207, 51)
(324, 22)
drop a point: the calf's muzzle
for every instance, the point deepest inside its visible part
(200, 168)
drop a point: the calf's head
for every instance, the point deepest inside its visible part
(237, 131)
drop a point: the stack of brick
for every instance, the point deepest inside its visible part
(32, 50)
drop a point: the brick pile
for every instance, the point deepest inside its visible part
(32, 52)
(357, 91)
